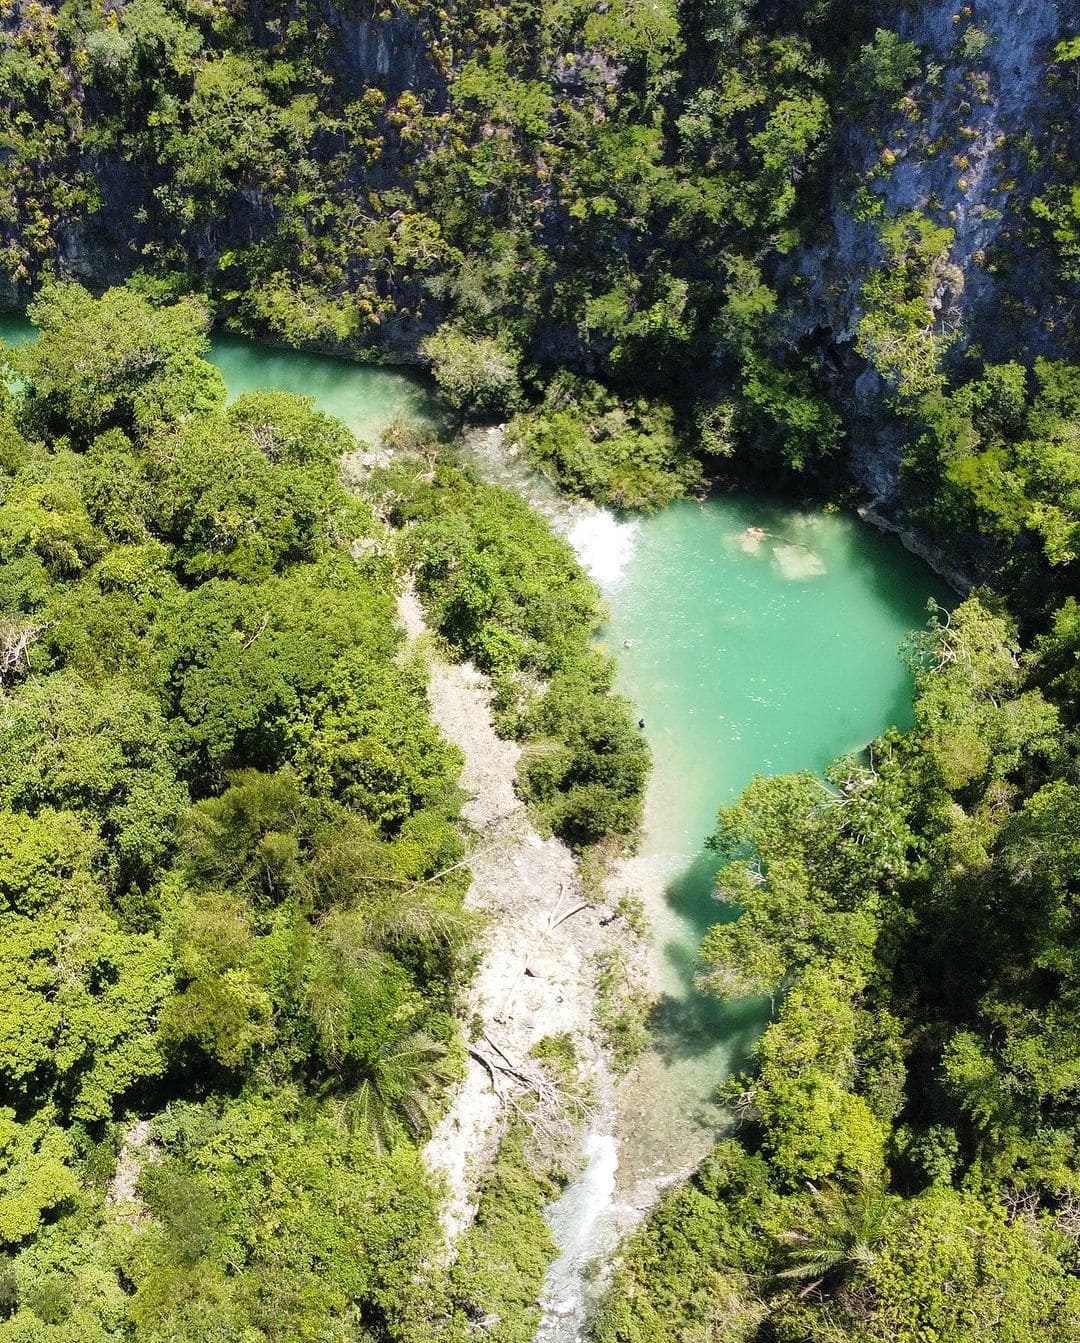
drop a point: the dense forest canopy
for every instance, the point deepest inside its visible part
(833, 246)
(231, 865)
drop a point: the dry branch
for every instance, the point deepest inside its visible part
(15, 641)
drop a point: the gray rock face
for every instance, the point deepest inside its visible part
(954, 151)
(371, 47)
(954, 156)
(958, 149)
(390, 53)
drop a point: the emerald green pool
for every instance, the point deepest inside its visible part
(754, 639)
(761, 640)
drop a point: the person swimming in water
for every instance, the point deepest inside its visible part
(641, 724)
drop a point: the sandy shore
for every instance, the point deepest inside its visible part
(534, 979)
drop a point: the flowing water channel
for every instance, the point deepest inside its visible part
(753, 638)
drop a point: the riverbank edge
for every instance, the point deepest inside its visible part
(920, 543)
(919, 546)
(546, 930)
(486, 441)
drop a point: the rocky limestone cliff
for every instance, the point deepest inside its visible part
(970, 147)
(970, 143)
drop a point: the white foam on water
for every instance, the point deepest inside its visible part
(602, 544)
(585, 1227)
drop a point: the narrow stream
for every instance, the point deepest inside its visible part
(365, 396)
(753, 638)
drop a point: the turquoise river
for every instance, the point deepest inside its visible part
(754, 639)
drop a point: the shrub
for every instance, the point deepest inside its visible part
(618, 452)
(478, 375)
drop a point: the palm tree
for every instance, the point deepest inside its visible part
(841, 1238)
(380, 1089)
(340, 963)
(395, 1093)
(419, 919)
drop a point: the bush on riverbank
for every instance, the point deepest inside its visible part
(477, 374)
(624, 1004)
(596, 445)
(507, 593)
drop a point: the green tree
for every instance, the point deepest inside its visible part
(477, 374)
(886, 66)
(116, 362)
(841, 1237)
